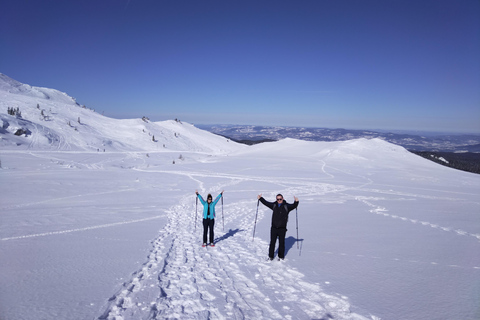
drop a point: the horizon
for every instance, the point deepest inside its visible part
(409, 66)
(377, 130)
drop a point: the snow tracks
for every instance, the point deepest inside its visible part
(234, 280)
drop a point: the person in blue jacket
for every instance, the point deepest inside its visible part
(208, 216)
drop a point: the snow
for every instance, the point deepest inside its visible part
(67, 126)
(93, 234)
(440, 158)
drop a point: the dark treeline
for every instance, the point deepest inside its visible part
(466, 161)
(252, 142)
(246, 141)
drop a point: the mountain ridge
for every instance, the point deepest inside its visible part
(33, 118)
(442, 143)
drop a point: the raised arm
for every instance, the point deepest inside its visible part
(218, 197)
(292, 206)
(265, 202)
(199, 197)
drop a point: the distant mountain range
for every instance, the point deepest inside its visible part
(416, 142)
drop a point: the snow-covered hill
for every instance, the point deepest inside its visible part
(48, 119)
(411, 141)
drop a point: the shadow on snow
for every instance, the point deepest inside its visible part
(290, 242)
(227, 235)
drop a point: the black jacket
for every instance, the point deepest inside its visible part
(280, 213)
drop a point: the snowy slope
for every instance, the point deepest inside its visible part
(382, 233)
(55, 121)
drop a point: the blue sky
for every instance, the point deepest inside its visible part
(411, 65)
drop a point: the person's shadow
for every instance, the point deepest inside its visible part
(227, 235)
(290, 242)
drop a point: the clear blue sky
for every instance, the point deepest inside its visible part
(340, 63)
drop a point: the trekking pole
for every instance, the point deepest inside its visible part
(296, 211)
(255, 226)
(196, 205)
(223, 219)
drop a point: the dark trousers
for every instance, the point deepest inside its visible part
(208, 224)
(274, 233)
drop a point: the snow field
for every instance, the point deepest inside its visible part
(115, 233)
(98, 223)
(190, 281)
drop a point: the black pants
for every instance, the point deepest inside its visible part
(208, 223)
(274, 233)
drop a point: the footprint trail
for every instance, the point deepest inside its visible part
(230, 281)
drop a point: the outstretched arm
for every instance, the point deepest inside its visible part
(265, 202)
(293, 205)
(200, 197)
(218, 197)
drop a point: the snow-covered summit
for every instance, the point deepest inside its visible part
(37, 118)
(11, 86)
(358, 152)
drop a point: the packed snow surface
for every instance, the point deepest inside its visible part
(102, 223)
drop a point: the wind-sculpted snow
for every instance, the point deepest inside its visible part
(14, 87)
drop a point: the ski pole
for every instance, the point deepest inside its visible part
(255, 226)
(223, 219)
(296, 211)
(196, 205)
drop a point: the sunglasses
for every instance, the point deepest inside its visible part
(279, 199)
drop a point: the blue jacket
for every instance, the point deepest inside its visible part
(212, 207)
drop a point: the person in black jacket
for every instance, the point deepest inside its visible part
(279, 223)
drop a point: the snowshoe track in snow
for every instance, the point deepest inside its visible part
(230, 281)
